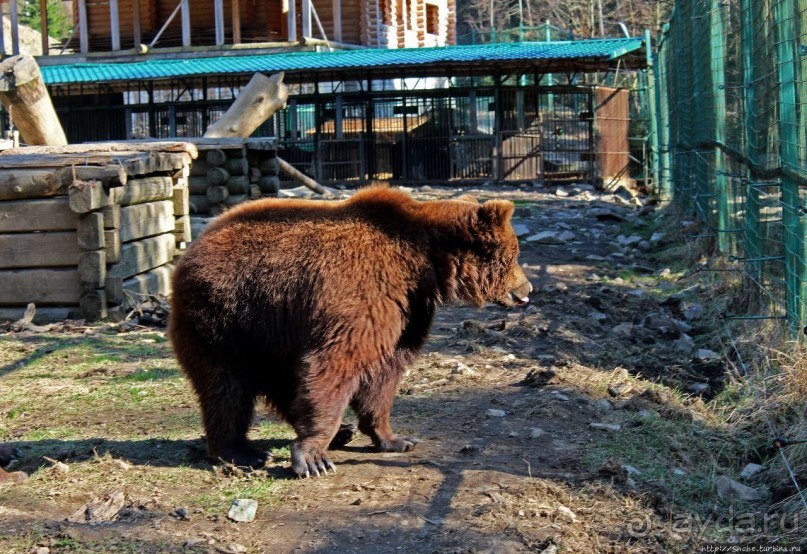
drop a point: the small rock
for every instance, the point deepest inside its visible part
(638, 293)
(705, 355)
(40, 550)
(619, 389)
(560, 287)
(182, 513)
(684, 344)
(679, 472)
(492, 412)
(190, 543)
(561, 509)
(693, 311)
(630, 483)
(647, 414)
(631, 470)
(551, 549)
(750, 470)
(521, 230)
(567, 236)
(656, 237)
(470, 449)
(604, 405)
(699, 388)
(561, 193)
(536, 432)
(512, 434)
(560, 396)
(611, 427)
(623, 329)
(728, 489)
(597, 316)
(243, 510)
(545, 237)
(462, 369)
(644, 246)
(232, 548)
(545, 358)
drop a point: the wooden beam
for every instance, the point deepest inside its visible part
(83, 27)
(337, 20)
(147, 189)
(92, 269)
(292, 20)
(306, 16)
(127, 292)
(47, 214)
(26, 99)
(186, 23)
(87, 196)
(114, 24)
(236, 5)
(91, 232)
(43, 29)
(39, 250)
(146, 220)
(143, 255)
(137, 33)
(43, 315)
(31, 183)
(53, 287)
(15, 27)
(2, 26)
(218, 13)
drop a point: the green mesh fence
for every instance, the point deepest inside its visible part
(732, 82)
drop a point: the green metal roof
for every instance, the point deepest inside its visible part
(578, 55)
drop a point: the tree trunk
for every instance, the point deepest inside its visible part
(256, 102)
(28, 103)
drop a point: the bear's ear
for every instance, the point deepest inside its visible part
(469, 198)
(496, 213)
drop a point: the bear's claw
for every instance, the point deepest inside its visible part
(398, 444)
(306, 464)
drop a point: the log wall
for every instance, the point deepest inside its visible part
(87, 230)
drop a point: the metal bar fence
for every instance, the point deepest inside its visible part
(733, 127)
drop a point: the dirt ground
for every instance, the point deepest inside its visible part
(504, 401)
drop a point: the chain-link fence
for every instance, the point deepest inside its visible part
(732, 98)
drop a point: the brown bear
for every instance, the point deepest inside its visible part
(317, 305)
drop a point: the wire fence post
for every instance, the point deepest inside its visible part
(785, 51)
(651, 99)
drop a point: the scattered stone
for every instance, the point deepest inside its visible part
(492, 412)
(604, 405)
(561, 509)
(539, 378)
(619, 389)
(512, 434)
(705, 355)
(679, 472)
(560, 287)
(631, 470)
(546, 358)
(561, 193)
(470, 449)
(100, 509)
(243, 510)
(232, 548)
(551, 549)
(693, 311)
(560, 396)
(611, 427)
(190, 543)
(638, 293)
(536, 432)
(632, 240)
(622, 330)
(595, 258)
(521, 230)
(545, 237)
(685, 344)
(699, 388)
(728, 489)
(597, 316)
(567, 236)
(750, 470)
(182, 513)
(40, 550)
(644, 246)
(462, 369)
(630, 483)
(647, 414)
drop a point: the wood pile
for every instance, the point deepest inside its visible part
(87, 230)
(230, 171)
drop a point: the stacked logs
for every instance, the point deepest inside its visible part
(231, 171)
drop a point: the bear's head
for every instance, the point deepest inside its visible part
(485, 265)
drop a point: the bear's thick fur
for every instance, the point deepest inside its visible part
(318, 305)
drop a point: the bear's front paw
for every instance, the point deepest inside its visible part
(397, 444)
(308, 461)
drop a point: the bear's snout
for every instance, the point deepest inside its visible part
(521, 294)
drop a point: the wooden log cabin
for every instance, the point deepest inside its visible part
(121, 25)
